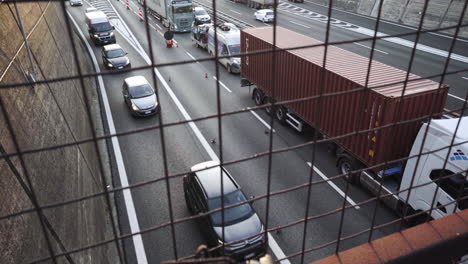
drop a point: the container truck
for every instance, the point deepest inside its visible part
(392, 127)
(176, 15)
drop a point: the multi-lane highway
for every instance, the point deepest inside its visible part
(190, 91)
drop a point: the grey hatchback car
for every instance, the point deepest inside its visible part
(244, 235)
(139, 96)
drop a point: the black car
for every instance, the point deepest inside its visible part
(244, 235)
(114, 57)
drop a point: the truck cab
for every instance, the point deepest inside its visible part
(440, 176)
(99, 28)
(180, 15)
(228, 45)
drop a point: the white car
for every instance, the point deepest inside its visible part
(265, 15)
(76, 2)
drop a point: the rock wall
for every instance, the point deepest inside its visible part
(42, 116)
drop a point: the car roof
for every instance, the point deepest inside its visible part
(96, 14)
(198, 8)
(211, 180)
(265, 10)
(112, 47)
(135, 81)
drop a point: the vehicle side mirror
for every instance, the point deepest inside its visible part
(113, 27)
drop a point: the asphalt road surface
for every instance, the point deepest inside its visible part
(242, 135)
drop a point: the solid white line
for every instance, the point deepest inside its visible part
(235, 12)
(338, 190)
(277, 250)
(299, 24)
(266, 24)
(131, 212)
(223, 85)
(466, 78)
(158, 26)
(400, 41)
(271, 242)
(262, 121)
(359, 44)
(384, 21)
(193, 58)
(459, 98)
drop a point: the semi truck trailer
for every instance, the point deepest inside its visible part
(176, 15)
(379, 122)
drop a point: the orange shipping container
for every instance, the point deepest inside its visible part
(300, 73)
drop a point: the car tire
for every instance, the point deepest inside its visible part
(258, 97)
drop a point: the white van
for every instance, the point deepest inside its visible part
(228, 45)
(100, 30)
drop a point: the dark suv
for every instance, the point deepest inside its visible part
(242, 226)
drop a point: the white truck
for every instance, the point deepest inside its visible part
(176, 15)
(443, 169)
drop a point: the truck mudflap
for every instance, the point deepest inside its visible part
(369, 182)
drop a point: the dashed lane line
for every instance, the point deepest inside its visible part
(223, 85)
(299, 24)
(367, 47)
(271, 241)
(337, 189)
(262, 121)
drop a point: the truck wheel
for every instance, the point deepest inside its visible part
(258, 97)
(346, 165)
(280, 114)
(269, 109)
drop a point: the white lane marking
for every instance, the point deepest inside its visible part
(193, 58)
(262, 121)
(266, 24)
(338, 190)
(158, 26)
(367, 47)
(299, 24)
(235, 12)
(223, 85)
(271, 242)
(456, 97)
(400, 41)
(277, 250)
(131, 212)
(466, 78)
(382, 21)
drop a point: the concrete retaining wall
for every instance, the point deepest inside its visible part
(439, 13)
(43, 116)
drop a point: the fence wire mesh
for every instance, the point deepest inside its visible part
(303, 225)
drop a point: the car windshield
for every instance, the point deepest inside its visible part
(269, 13)
(101, 27)
(231, 215)
(200, 12)
(234, 49)
(183, 9)
(115, 53)
(141, 91)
